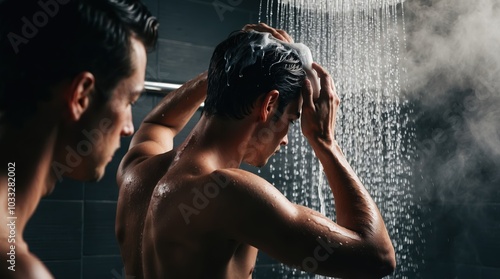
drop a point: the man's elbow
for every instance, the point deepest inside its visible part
(379, 262)
(386, 263)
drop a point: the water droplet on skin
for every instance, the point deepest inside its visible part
(162, 191)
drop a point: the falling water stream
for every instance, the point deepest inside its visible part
(360, 42)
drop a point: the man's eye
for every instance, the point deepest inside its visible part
(136, 98)
(134, 102)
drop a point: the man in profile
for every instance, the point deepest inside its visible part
(205, 217)
(69, 72)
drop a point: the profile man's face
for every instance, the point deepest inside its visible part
(274, 134)
(117, 115)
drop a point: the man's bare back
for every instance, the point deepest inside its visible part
(182, 236)
(205, 218)
(133, 203)
(144, 166)
(182, 251)
(186, 242)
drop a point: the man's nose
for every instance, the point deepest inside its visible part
(128, 128)
(284, 141)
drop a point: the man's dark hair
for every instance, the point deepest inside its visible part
(43, 42)
(248, 65)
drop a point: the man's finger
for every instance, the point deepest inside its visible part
(287, 37)
(324, 76)
(307, 94)
(262, 27)
(248, 27)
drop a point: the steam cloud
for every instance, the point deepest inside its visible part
(453, 63)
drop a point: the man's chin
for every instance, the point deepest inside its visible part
(95, 176)
(260, 164)
(99, 174)
(87, 178)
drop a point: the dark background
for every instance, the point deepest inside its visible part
(72, 230)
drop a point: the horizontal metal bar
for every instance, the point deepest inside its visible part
(161, 86)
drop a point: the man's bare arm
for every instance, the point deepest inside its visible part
(250, 210)
(157, 131)
(355, 208)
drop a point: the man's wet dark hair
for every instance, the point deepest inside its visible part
(248, 65)
(43, 42)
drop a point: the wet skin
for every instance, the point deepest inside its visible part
(190, 212)
(183, 239)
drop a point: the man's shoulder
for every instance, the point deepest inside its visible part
(156, 161)
(24, 265)
(234, 176)
(151, 168)
(235, 181)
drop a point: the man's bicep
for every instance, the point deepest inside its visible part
(156, 138)
(150, 140)
(293, 234)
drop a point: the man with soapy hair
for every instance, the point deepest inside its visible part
(205, 217)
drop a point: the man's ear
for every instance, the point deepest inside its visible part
(77, 97)
(269, 104)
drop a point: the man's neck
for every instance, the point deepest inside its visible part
(225, 139)
(29, 151)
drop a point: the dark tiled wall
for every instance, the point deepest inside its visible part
(458, 186)
(72, 230)
(190, 30)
